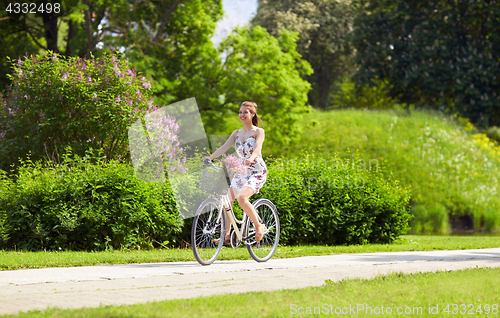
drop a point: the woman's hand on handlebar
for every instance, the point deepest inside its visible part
(207, 160)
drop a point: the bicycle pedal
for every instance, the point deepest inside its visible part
(249, 242)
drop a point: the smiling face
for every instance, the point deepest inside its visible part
(245, 114)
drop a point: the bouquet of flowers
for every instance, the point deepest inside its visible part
(234, 165)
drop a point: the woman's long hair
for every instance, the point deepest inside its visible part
(253, 107)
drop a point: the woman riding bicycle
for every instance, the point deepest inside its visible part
(248, 144)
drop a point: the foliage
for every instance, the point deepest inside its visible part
(434, 52)
(367, 97)
(86, 204)
(169, 40)
(55, 101)
(493, 133)
(444, 161)
(180, 57)
(81, 205)
(5, 184)
(323, 27)
(14, 44)
(431, 220)
(77, 28)
(261, 68)
(43, 27)
(491, 220)
(335, 201)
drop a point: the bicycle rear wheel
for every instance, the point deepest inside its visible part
(208, 226)
(268, 214)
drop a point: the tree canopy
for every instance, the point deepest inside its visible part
(269, 71)
(167, 41)
(323, 27)
(433, 52)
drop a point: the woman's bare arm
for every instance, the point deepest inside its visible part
(222, 149)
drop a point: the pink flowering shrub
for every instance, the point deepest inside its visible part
(170, 144)
(162, 141)
(54, 102)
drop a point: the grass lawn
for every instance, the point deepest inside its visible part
(443, 294)
(10, 260)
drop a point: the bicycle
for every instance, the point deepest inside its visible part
(209, 224)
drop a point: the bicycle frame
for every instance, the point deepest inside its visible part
(225, 206)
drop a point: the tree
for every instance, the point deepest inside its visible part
(168, 40)
(171, 42)
(70, 27)
(323, 27)
(78, 28)
(433, 52)
(268, 71)
(14, 44)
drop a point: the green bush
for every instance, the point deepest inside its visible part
(438, 217)
(432, 219)
(491, 220)
(367, 97)
(334, 201)
(4, 187)
(421, 217)
(86, 204)
(493, 133)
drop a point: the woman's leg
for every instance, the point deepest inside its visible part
(233, 193)
(243, 197)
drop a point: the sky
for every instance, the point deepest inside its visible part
(236, 12)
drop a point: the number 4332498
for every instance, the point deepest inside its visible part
(33, 8)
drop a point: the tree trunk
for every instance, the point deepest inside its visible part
(71, 34)
(325, 90)
(327, 81)
(88, 27)
(50, 24)
(164, 21)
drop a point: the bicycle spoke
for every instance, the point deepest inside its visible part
(207, 227)
(263, 250)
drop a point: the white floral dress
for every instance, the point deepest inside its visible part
(256, 172)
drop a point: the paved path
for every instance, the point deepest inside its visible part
(93, 286)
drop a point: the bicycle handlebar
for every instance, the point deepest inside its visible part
(207, 162)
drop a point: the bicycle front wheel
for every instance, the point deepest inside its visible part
(208, 232)
(268, 215)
